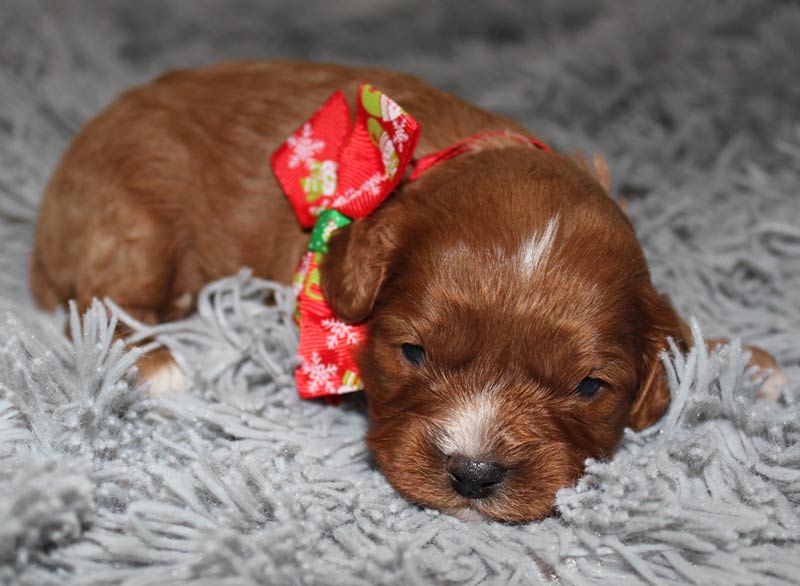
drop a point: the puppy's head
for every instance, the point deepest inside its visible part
(513, 330)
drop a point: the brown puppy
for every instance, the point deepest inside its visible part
(513, 330)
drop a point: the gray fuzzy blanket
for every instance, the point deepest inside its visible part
(696, 106)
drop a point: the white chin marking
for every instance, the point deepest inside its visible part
(469, 428)
(169, 378)
(467, 515)
(539, 247)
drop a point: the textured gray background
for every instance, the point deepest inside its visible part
(696, 106)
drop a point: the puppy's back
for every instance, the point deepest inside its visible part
(170, 186)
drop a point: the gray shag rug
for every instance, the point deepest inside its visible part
(696, 105)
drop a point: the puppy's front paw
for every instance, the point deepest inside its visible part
(772, 388)
(776, 382)
(161, 373)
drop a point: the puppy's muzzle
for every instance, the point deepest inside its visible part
(474, 479)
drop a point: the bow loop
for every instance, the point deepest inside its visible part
(327, 165)
(306, 164)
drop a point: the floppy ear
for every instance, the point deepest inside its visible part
(661, 322)
(355, 267)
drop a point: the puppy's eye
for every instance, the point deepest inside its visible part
(414, 354)
(588, 387)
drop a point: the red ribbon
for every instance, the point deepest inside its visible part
(327, 166)
(333, 174)
(464, 146)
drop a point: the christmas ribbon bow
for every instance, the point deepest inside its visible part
(333, 174)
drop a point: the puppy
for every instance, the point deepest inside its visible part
(512, 327)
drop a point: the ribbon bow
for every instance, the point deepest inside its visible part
(332, 175)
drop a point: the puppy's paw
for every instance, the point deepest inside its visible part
(161, 373)
(772, 388)
(776, 382)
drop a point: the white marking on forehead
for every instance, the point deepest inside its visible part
(469, 428)
(539, 247)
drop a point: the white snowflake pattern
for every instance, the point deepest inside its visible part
(340, 331)
(400, 134)
(304, 147)
(371, 186)
(300, 274)
(319, 374)
(390, 109)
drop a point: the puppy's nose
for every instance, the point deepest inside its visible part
(474, 479)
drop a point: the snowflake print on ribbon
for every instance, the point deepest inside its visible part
(371, 186)
(400, 134)
(340, 332)
(300, 273)
(390, 110)
(304, 147)
(320, 375)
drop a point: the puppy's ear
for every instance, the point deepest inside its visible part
(597, 167)
(355, 267)
(661, 322)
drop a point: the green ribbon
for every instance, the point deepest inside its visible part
(327, 222)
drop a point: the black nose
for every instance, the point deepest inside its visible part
(474, 479)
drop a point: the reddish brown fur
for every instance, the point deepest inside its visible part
(592, 311)
(171, 187)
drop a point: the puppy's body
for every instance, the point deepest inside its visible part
(513, 330)
(171, 186)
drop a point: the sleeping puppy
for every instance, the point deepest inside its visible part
(512, 327)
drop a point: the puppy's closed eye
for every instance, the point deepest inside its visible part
(414, 353)
(589, 387)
